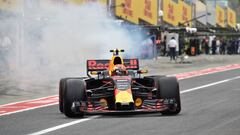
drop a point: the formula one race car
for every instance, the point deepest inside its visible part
(118, 87)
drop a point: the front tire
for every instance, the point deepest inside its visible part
(61, 91)
(74, 92)
(168, 88)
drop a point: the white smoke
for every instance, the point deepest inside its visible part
(58, 44)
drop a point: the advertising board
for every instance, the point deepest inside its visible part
(170, 12)
(231, 17)
(220, 16)
(148, 11)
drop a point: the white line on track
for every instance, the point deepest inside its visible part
(63, 126)
(210, 84)
(45, 131)
(190, 74)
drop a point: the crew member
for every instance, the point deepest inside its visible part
(172, 44)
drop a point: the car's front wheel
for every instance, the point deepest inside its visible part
(168, 88)
(74, 92)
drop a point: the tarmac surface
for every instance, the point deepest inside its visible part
(13, 90)
(210, 106)
(163, 65)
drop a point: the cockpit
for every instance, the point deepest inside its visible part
(119, 70)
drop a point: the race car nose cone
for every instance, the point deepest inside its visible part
(123, 97)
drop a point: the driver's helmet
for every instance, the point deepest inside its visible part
(119, 69)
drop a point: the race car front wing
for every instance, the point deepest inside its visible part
(155, 105)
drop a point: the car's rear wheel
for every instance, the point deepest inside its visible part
(168, 88)
(74, 92)
(155, 77)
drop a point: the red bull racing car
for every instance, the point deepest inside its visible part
(118, 87)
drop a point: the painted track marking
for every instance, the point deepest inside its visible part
(93, 117)
(63, 126)
(53, 100)
(28, 105)
(209, 85)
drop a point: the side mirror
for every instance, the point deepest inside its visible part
(143, 71)
(94, 73)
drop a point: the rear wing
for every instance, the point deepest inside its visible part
(101, 65)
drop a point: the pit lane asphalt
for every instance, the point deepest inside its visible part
(213, 110)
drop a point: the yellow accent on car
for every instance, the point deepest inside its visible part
(123, 97)
(138, 102)
(103, 102)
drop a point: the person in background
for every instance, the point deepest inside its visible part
(181, 45)
(206, 46)
(214, 46)
(238, 45)
(223, 47)
(158, 44)
(172, 44)
(229, 44)
(164, 46)
(218, 44)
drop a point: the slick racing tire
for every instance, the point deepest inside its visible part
(61, 90)
(155, 76)
(74, 92)
(168, 88)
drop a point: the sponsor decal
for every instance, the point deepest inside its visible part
(147, 8)
(170, 12)
(231, 17)
(220, 16)
(184, 15)
(129, 11)
(128, 8)
(98, 65)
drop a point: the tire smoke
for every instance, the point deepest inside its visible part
(58, 43)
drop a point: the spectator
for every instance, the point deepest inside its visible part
(223, 47)
(158, 44)
(181, 45)
(230, 47)
(236, 46)
(218, 44)
(172, 44)
(239, 46)
(164, 46)
(206, 46)
(214, 46)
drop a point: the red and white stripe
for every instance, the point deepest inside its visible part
(53, 100)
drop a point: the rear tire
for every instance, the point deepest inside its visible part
(74, 91)
(168, 88)
(155, 76)
(155, 79)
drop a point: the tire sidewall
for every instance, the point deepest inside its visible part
(168, 87)
(74, 91)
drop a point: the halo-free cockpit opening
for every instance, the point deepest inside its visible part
(117, 60)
